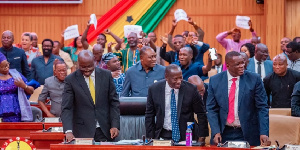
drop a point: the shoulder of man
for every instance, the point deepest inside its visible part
(157, 84)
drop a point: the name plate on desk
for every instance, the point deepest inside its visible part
(57, 129)
(84, 141)
(52, 119)
(162, 143)
(291, 147)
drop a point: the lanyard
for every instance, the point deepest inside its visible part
(134, 58)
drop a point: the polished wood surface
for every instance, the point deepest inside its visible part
(42, 140)
(128, 147)
(272, 20)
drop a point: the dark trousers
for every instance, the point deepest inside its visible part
(165, 134)
(99, 136)
(232, 134)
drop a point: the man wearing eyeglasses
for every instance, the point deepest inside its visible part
(42, 66)
(293, 53)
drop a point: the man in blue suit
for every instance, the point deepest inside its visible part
(259, 63)
(237, 105)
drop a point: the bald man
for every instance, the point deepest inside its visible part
(246, 59)
(281, 83)
(259, 63)
(98, 52)
(16, 57)
(201, 86)
(90, 106)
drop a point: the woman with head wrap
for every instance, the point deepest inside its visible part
(14, 105)
(113, 64)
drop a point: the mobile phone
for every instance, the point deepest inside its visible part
(213, 53)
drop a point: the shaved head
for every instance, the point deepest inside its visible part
(86, 62)
(280, 65)
(7, 39)
(280, 57)
(196, 80)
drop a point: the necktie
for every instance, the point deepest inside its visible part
(230, 117)
(174, 119)
(92, 89)
(259, 68)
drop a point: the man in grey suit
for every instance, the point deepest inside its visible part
(171, 103)
(259, 63)
(90, 106)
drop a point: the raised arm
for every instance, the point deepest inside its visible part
(170, 35)
(252, 32)
(163, 54)
(84, 42)
(62, 40)
(207, 67)
(117, 39)
(197, 28)
(221, 38)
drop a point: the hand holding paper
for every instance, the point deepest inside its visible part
(132, 28)
(243, 22)
(71, 32)
(180, 14)
(93, 20)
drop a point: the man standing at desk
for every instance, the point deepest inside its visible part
(90, 106)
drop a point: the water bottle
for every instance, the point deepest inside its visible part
(188, 134)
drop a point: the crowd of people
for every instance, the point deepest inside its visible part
(84, 83)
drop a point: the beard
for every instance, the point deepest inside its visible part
(47, 52)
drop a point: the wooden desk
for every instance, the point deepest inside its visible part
(128, 147)
(42, 140)
(21, 129)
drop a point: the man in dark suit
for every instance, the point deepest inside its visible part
(259, 63)
(237, 105)
(218, 63)
(173, 103)
(90, 106)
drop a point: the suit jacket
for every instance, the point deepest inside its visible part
(189, 102)
(79, 113)
(252, 106)
(267, 63)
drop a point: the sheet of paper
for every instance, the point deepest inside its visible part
(242, 22)
(132, 28)
(71, 32)
(93, 20)
(180, 14)
(213, 53)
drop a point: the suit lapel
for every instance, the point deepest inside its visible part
(84, 86)
(180, 99)
(241, 90)
(224, 85)
(98, 79)
(251, 66)
(163, 98)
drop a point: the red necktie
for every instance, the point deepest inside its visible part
(230, 117)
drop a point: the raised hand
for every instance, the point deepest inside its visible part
(174, 23)
(111, 44)
(107, 31)
(164, 39)
(190, 21)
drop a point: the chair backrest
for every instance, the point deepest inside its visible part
(36, 114)
(280, 111)
(34, 97)
(133, 105)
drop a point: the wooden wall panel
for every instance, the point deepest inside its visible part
(292, 18)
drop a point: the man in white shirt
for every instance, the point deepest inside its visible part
(173, 103)
(218, 63)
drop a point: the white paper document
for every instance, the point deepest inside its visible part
(132, 28)
(71, 32)
(93, 20)
(242, 22)
(180, 14)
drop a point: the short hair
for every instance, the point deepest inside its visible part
(56, 42)
(28, 34)
(251, 48)
(294, 46)
(47, 40)
(230, 55)
(295, 38)
(103, 35)
(171, 67)
(219, 55)
(57, 62)
(185, 33)
(144, 49)
(178, 35)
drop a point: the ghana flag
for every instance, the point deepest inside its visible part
(146, 13)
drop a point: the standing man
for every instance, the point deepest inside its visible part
(281, 82)
(237, 104)
(235, 43)
(201, 86)
(259, 63)
(98, 52)
(90, 107)
(153, 38)
(218, 63)
(42, 66)
(140, 76)
(283, 42)
(16, 57)
(171, 103)
(293, 53)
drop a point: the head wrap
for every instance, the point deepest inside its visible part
(2, 57)
(108, 56)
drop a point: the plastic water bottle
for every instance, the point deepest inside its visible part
(189, 134)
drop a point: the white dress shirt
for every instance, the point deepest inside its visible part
(167, 120)
(263, 71)
(219, 68)
(236, 122)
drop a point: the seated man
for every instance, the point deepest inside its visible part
(293, 53)
(140, 76)
(171, 103)
(42, 66)
(259, 63)
(189, 67)
(281, 82)
(54, 87)
(296, 100)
